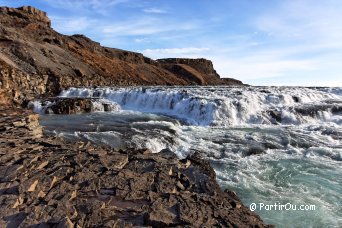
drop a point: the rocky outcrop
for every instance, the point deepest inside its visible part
(27, 12)
(307, 110)
(60, 105)
(46, 182)
(201, 65)
(17, 87)
(30, 47)
(196, 71)
(192, 76)
(232, 81)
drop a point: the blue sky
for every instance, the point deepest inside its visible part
(261, 42)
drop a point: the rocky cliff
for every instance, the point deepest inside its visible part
(28, 13)
(36, 60)
(196, 71)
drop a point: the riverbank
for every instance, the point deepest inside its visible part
(47, 181)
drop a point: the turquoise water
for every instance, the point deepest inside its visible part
(285, 177)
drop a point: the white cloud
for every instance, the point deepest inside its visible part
(71, 25)
(258, 66)
(307, 21)
(278, 66)
(146, 26)
(142, 40)
(174, 52)
(155, 10)
(304, 37)
(84, 4)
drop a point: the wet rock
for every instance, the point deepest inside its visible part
(76, 105)
(265, 91)
(314, 109)
(336, 109)
(276, 115)
(202, 164)
(255, 150)
(295, 99)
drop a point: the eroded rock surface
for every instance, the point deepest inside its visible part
(47, 182)
(29, 13)
(196, 71)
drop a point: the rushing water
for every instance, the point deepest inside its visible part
(272, 145)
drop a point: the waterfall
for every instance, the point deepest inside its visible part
(225, 106)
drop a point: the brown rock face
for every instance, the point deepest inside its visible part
(27, 12)
(29, 47)
(196, 71)
(36, 14)
(17, 86)
(203, 66)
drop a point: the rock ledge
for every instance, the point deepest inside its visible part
(28, 12)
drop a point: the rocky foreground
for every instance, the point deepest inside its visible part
(46, 182)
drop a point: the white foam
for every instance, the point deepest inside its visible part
(37, 106)
(220, 106)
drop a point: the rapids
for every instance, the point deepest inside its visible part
(269, 144)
